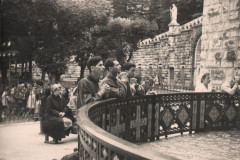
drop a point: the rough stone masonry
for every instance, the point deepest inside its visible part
(210, 43)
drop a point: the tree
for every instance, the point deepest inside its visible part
(84, 28)
(160, 14)
(80, 18)
(16, 27)
(120, 37)
(51, 54)
(188, 10)
(120, 8)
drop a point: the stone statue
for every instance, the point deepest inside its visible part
(173, 13)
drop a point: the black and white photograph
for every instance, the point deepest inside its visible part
(120, 80)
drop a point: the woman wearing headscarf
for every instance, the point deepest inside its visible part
(58, 122)
(203, 83)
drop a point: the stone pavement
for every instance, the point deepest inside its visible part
(22, 141)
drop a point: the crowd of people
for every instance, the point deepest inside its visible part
(56, 106)
(121, 82)
(30, 100)
(25, 98)
(22, 98)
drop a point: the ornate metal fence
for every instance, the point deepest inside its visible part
(148, 118)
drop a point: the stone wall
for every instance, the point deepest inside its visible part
(171, 55)
(221, 38)
(210, 43)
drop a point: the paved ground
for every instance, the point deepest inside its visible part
(22, 141)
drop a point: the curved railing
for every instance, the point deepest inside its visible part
(111, 129)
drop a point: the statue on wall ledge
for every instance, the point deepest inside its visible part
(173, 14)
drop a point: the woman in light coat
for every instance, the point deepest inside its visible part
(203, 83)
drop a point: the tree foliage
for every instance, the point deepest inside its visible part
(51, 53)
(50, 31)
(188, 10)
(120, 37)
(17, 28)
(158, 10)
(77, 23)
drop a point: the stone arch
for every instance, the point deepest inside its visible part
(196, 36)
(197, 60)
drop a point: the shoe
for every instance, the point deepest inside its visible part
(55, 141)
(75, 150)
(74, 128)
(51, 142)
(46, 139)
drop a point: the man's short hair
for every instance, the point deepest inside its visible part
(93, 61)
(127, 66)
(109, 63)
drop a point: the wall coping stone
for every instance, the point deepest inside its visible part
(185, 27)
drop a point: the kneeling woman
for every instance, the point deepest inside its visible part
(59, 117)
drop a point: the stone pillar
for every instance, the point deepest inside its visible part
(173, 32)
(220, 38)
(173, 28)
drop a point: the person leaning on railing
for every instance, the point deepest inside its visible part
(203, 83)
(230, 85)
(88, 90)
(135, 88)
(88, 87)
(141, 83)
(118, 82)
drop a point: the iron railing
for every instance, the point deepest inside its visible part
(147, 118)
